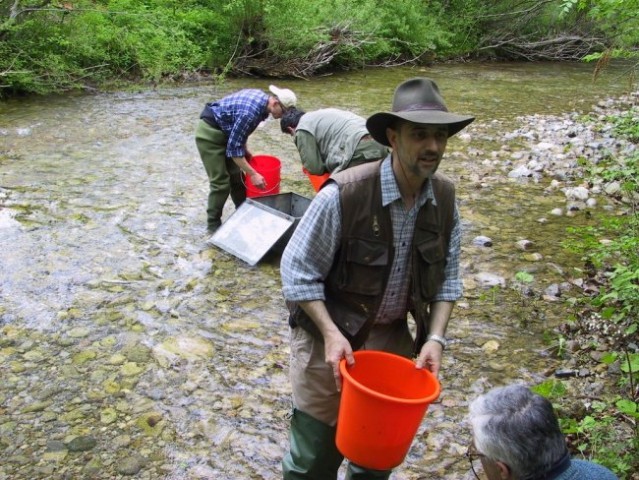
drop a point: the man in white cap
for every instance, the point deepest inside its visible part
(221, 136)
(378, 241)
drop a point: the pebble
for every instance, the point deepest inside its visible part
(82, 444)
(482, 241)
(130, 466)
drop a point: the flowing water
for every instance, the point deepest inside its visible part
(131, 347)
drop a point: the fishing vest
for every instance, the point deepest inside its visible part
(337, 133)
(357, 280)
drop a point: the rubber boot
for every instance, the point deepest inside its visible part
(355, 472)
(313, 454)
(238, 189)
(214, 209)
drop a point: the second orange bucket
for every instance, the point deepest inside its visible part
(384, 399)
(316, 180)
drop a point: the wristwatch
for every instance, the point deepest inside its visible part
(439, 339)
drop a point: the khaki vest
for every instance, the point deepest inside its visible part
(356, 283)
(336, 132)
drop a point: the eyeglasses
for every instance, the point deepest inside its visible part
(473, 455)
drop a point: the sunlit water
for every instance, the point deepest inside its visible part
(120, 323)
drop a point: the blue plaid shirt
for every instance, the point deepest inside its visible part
(238, 115)
(309, 254)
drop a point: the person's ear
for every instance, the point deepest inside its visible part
(504, 470)
(291, 130)
(391, 135)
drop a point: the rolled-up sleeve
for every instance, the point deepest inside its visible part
(309, 254)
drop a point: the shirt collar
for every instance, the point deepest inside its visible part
(390, 189)
(557, 469)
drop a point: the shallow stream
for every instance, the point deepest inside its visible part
(130, 347)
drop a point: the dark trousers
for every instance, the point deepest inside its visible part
(224, 175)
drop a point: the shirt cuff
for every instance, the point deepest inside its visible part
(303, 293)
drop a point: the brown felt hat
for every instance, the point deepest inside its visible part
(417, 100)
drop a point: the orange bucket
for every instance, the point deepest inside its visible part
(316, 180)
(384, 399)
(269, 167)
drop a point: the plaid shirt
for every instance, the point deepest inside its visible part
(238, 115)
(309, 254)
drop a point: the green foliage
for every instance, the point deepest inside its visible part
(524, 277)
(364, 31)
(622, 291)
(550, 389)
(627, 125)
(55, 48)
(618, 17)
(616, 270)
(596, 435)
(55, 45)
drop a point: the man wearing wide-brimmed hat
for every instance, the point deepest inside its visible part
(378, 241)
(221, 136)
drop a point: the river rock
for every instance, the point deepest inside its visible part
(108, 416)
(520, 172)
(577, 193)
(533, 257)
(491, 346)
(79, 332)
(82, 443)
(37, 407)
(612, 188)
(131, 465)
(482, 241)
(553, 290)
(486, 279)
(185, 347)
(524, 245)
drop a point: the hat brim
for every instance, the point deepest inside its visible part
(379, 122)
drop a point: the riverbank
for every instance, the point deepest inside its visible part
(593, 160)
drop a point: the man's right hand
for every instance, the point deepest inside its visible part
(258, 180)
(337, 347)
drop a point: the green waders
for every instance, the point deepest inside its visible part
(224, 175)
(314, 456)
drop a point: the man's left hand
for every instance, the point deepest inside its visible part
(430, 357)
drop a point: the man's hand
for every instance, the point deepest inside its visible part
(430, 357)
(257, 180)
(337, 347)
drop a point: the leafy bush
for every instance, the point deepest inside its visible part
(614, 268)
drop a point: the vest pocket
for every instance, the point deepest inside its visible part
(364, 267)
(431, 262)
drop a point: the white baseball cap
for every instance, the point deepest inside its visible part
(284, 95)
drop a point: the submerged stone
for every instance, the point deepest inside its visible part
(82, 444)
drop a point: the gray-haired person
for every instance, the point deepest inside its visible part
(378, 241)
(516, 436)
